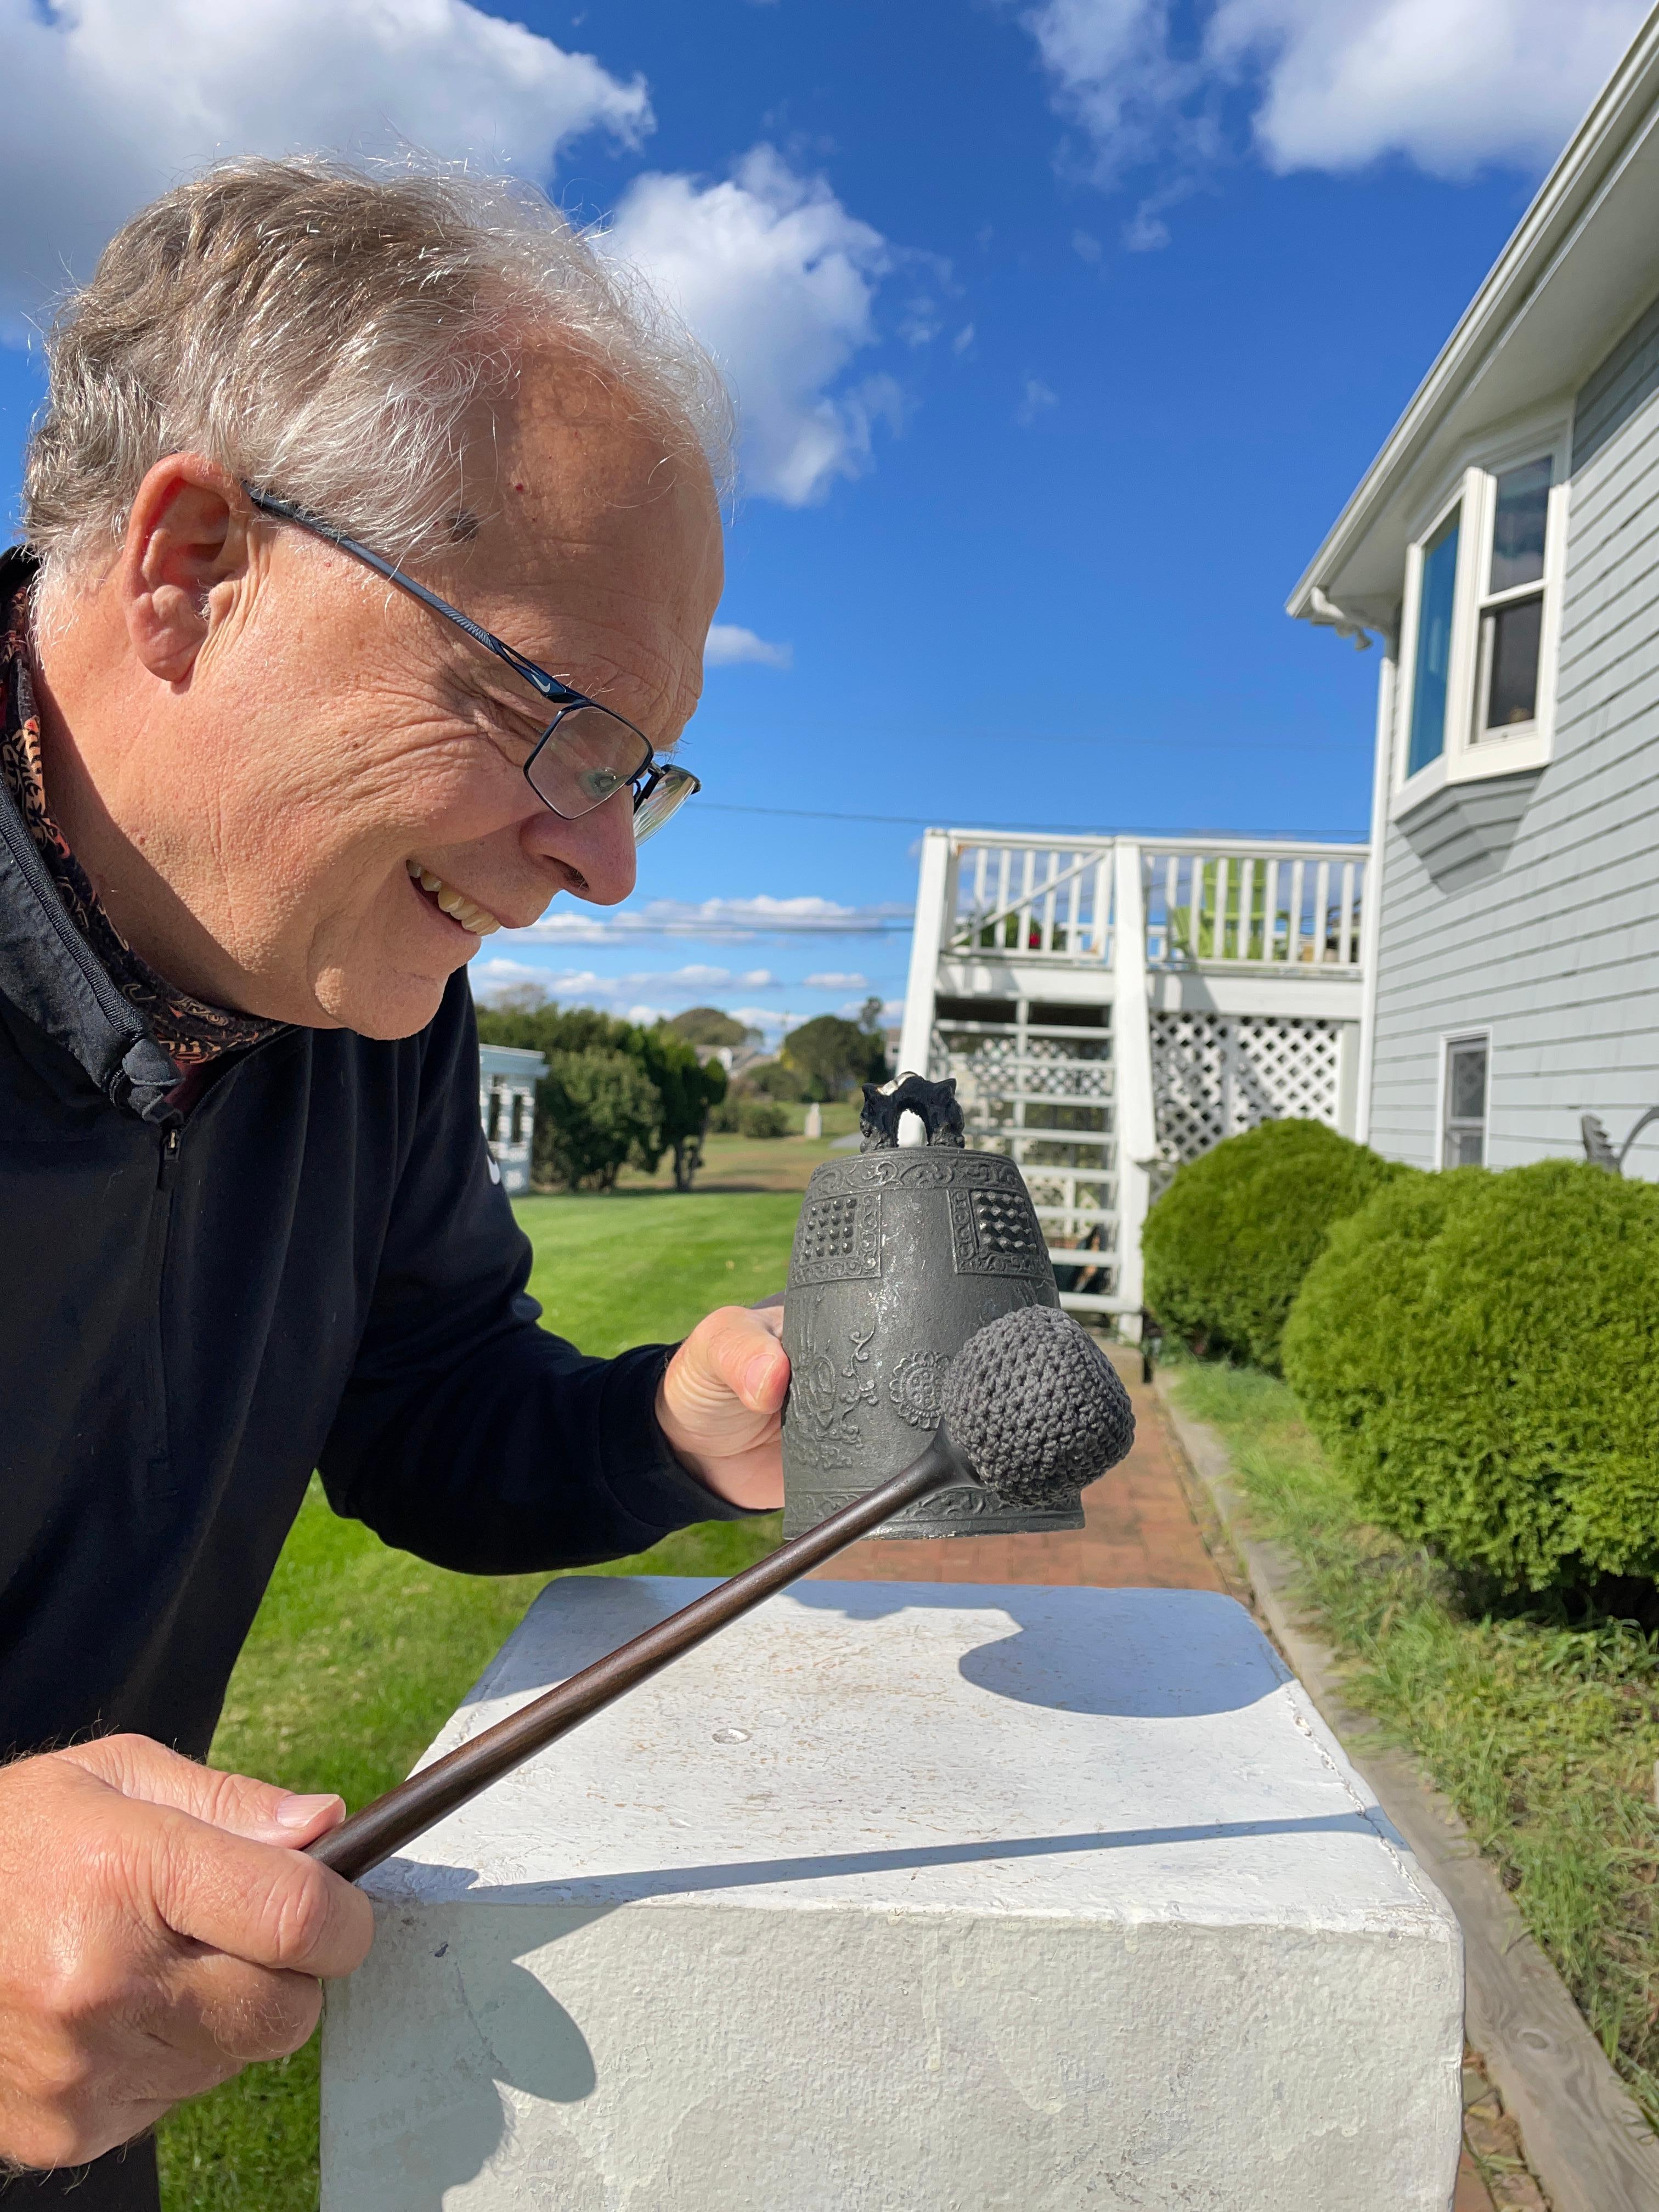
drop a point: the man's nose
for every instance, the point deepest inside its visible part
(597, 851)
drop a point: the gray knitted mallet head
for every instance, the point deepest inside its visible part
(1036, 1407)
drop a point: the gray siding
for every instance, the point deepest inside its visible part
(1550, 941)
(1626, 380)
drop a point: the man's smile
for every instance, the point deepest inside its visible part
(462, 910)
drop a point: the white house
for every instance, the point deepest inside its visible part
(1504, 548)
(507, 1105)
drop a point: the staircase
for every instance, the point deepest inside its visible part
(1111, 1007)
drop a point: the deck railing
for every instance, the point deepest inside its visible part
(1252, 905)
(1231, 902)
(1039, 896)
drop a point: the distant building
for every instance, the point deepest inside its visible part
(507, 1105)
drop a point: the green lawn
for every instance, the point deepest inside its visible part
(1543, 1730)
(360, 1653)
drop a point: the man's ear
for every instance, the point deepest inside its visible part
(187, 539)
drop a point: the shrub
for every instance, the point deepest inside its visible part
(1480, 1354)
(684, 1088)
(775, 1080)
(1228, 1244)
(593, 1110)
(762, 1117)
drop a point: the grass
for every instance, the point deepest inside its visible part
(755, 1164)
(1542, 1728)
(360, 1653)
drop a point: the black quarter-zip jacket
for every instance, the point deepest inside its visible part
(316, 1269)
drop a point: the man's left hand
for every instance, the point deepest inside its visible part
(721, 1404)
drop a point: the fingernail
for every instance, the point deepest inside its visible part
(301, 1812)
(756, 1375)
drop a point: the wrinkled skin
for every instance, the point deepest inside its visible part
(163, 1927)
(248, 737)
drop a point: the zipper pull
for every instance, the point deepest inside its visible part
(169, 1155)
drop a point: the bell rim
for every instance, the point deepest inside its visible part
(1008, 1521)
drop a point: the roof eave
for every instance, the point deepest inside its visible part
(1630, 94)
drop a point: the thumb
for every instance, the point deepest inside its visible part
(261, 1811)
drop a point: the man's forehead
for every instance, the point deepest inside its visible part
(576, 464)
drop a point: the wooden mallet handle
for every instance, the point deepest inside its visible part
(381, 1828)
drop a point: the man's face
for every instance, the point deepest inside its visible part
(334, 736)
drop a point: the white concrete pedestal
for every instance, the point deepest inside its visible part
(905, 1898)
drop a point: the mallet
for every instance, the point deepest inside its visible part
(1032, 1408)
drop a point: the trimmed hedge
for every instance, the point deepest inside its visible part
(1227, 1245)
(1480, 1354)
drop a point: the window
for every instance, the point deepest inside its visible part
(1464, 1140)
(493, 1125)
(1512, 611)
(1482, 594)
(1437, 599)
(517, 1137)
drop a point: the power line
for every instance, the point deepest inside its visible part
(942, 822)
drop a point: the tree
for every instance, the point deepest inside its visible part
(602, 1107)
(683, 1088)
(832, 1054)
(709, 1026)
(687, 1088)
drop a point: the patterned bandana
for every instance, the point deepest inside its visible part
(191, 1032)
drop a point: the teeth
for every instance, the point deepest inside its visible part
(454, 904)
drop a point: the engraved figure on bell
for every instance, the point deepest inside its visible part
(812, 1389)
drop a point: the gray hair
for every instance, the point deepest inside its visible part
(323, 333)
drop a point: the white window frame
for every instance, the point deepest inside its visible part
(1467, 755)
(1443, 1091)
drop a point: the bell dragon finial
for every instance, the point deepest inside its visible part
(934, 1104)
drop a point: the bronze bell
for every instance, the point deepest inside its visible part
(900, 1254)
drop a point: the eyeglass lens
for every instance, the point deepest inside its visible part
(673, 786)
(586, 757)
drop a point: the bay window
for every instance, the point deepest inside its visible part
(1481, 615)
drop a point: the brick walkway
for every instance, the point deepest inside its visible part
(1139, 1532)
(1142, 1531)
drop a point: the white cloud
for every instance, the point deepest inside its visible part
(835, 981)
(574, 981)
(716, 920)
(1036, 400)
(1449, 84)
(779, 282)
(489, 976)
(114, 102)
(962, 340)
(730, 644)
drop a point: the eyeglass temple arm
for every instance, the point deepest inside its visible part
(538, 678)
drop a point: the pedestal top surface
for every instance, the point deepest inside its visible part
(1136, 1756)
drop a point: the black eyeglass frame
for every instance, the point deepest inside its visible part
(651, 776)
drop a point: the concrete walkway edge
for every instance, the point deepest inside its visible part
(1585, 2137)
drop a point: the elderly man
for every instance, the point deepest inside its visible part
(372, 541)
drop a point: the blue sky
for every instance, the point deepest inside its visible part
(1061, 333)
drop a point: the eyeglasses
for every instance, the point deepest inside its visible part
(586, 754)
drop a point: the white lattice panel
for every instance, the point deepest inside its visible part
(1214, 1075)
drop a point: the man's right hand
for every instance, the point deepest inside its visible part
(160, 1926)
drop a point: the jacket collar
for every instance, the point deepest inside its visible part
(49, 971)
